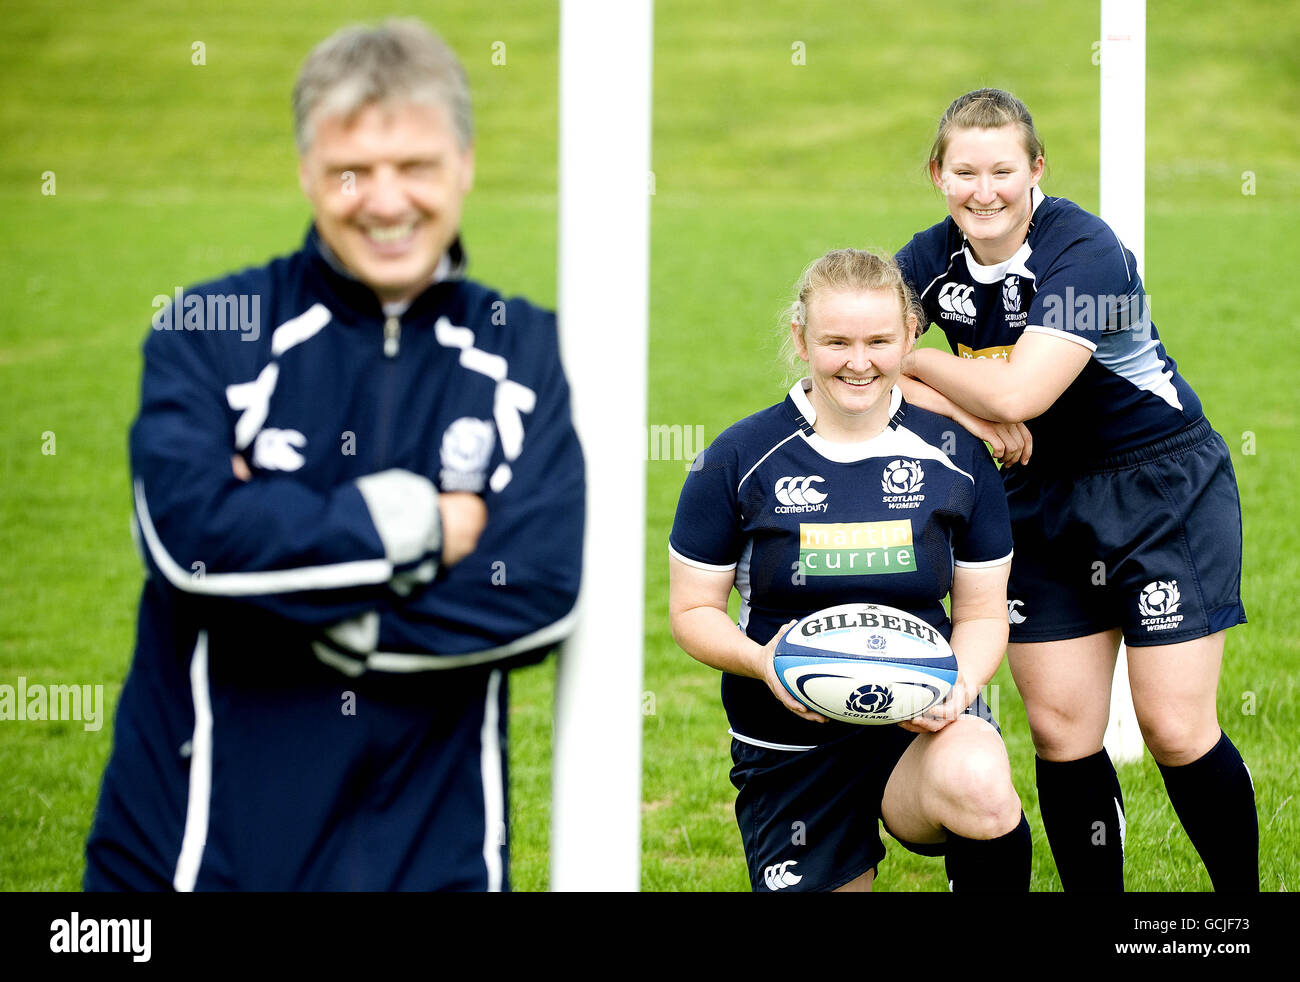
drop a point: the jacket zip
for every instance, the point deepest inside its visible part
(392, 335)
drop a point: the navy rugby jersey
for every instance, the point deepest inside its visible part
(1072, 278)
(807, 524)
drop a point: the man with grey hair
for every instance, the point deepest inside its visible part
(352, 526)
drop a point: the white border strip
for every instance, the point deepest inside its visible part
(359, 572)
(951, 262)
(770, 746)
(698, 565)
(396, 661)
(1068, 335)
(765, 456)
(985, 565)
(200, 794)
(494, 809)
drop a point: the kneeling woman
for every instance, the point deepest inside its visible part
(757, 513)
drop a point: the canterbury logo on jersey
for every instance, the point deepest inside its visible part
(955, 301)
(273, 449)
(797, 495)
(780, 876)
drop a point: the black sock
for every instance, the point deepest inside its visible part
(1215, 801)
(998, 865)
(1083, 815)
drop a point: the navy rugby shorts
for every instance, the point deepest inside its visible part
(1148, 541)
(809, 817)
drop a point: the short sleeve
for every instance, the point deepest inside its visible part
(906, 259)
(1082, 287)
(986, 538)
(707, 528)
(922, 261)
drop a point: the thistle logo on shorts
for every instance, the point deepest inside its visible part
(1013, 612)
(900, 482)
(956, 303)
(780, 876)
(856, 548)
(797, 495)
(870, 700)
(1158, 604)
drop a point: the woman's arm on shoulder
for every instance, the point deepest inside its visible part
(1011, 390)
(1011, 442)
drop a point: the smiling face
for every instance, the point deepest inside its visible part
(987, 177)
(854, 343)
(387, 187)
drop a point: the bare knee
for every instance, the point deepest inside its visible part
(1061, 734)
(974, 794)
(1066, 688)
(1175, 740)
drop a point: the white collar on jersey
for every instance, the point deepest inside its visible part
(839, 452)
(995, 273)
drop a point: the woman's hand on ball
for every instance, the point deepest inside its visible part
(937, 717)
(767, 672)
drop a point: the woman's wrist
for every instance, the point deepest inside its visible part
(908, 365)
(757, 660)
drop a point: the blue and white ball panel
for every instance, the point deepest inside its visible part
(866, 664)
(871, 692)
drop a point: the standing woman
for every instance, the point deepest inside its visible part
(790, 507)
(1125, 518)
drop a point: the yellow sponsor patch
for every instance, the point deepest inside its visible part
(850, 535)
(856, 548)
(1002, 351)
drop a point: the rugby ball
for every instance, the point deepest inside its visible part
(865, 663)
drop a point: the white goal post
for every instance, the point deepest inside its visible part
(1123, 206)
(604, 260)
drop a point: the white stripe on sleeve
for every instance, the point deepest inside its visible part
(357, 572)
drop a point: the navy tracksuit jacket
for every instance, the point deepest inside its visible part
(257, 745)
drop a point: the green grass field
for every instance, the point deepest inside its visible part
(166, 172)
